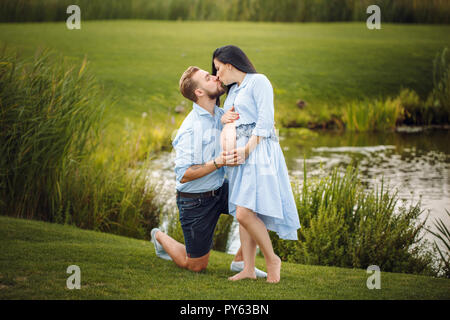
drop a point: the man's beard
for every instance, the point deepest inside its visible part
(216, 94)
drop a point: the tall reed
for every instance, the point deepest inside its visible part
(443, 235)
(48, 112)
(372, 116)
(53, 164)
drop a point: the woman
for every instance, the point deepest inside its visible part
(260, 191)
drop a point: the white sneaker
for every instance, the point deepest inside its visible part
(159, 250)
(238, 266)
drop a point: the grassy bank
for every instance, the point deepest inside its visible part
(327, 65)
(35, 256)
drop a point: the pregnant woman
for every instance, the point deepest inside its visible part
(260, 190)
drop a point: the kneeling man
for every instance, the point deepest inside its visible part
(202, 190)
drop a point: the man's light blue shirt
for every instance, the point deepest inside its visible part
(197, 142)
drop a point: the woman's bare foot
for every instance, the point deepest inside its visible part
(273, 270)
(243, 275)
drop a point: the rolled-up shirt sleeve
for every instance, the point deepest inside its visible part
(184, 153)
(263, 95)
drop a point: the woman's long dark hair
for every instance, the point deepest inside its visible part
(234, 56)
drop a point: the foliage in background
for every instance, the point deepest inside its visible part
(436, 109)
(48, 118)
(404, 11)
(372, 116)
(407, 108)
(415, 110)
(344, 225)
(52, 164)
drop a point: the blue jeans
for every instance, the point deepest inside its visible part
(198, 218)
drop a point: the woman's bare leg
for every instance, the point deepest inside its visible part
(258, 232)
(248, 246)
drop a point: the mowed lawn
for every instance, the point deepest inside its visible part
(326, 64)
(35, 256)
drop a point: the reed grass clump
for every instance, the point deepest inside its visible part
(49, 112)
(378, 115)
(407, 107)
(344, 225)
(54, 165)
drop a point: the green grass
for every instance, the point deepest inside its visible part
(35, 256)
(325, 64)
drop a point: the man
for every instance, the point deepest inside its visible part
(202, 190)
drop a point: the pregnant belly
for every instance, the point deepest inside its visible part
(228, 137)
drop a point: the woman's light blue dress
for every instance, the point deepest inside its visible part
(262, 182)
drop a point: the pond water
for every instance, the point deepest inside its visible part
(415, 162)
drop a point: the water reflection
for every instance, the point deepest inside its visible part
(416, 164)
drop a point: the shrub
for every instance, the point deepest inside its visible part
(344, 225)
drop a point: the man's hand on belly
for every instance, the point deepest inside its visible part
(197, 171)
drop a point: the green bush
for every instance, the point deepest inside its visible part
(344, 225)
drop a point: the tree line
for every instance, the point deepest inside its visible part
(396, 11)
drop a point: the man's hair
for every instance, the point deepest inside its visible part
(188, 85)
